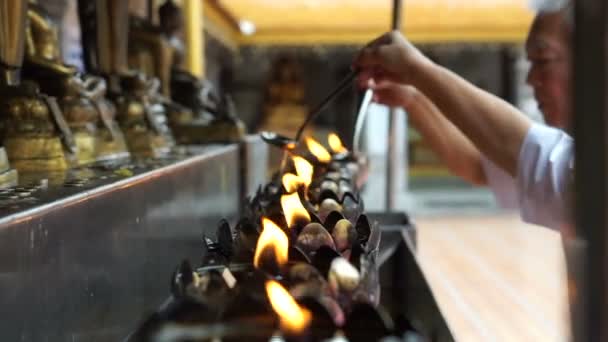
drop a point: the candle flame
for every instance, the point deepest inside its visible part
(336, 144)
(293, 317)
(318, 150)
(292, 182)
(293, 209)
(304, 169)
(272, 237)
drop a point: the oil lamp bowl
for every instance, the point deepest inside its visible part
(312, 237)
(278, 140)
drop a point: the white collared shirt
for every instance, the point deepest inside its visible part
(502, 184)
(545, 175)
(545, 172)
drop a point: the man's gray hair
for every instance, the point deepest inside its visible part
(549, 6)
(566, 7)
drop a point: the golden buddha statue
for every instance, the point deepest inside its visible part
(141, 110)
(150, 53)
(143, 117)
(85, 104)
(81, 97)
(197, 113)
(33, 129)
(284, 108)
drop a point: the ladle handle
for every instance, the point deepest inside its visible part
(343, 85)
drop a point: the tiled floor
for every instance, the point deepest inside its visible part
(495, 278)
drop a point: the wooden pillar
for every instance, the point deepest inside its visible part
(194, 24)
(589, 277)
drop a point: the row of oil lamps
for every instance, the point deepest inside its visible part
(300, 265)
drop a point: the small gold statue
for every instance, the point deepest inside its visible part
(215, 118)
(284, 108)
(143, 116)
(141, 112)
(81, 97)
(197, 114)
(33, 129)
(35, 132)
(153, 55)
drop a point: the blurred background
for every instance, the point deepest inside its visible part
(278, 59)
(495, 278)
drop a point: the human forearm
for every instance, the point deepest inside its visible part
(453, 148)
(494, 126)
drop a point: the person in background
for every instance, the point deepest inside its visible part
(480, 137)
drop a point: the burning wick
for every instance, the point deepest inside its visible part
(272, 240)
(304, 169)
(318, 150)
(295, 213)
(336, 144)
(292, 182)
(294, 318)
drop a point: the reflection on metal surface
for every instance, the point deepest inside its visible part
(255, 156)
(81, 260)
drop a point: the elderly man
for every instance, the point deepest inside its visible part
(467, 126)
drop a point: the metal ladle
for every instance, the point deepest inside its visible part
(278, 140)
(288, 144)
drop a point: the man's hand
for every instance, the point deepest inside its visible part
(495, 127)
(394, 94)
(390, 57)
